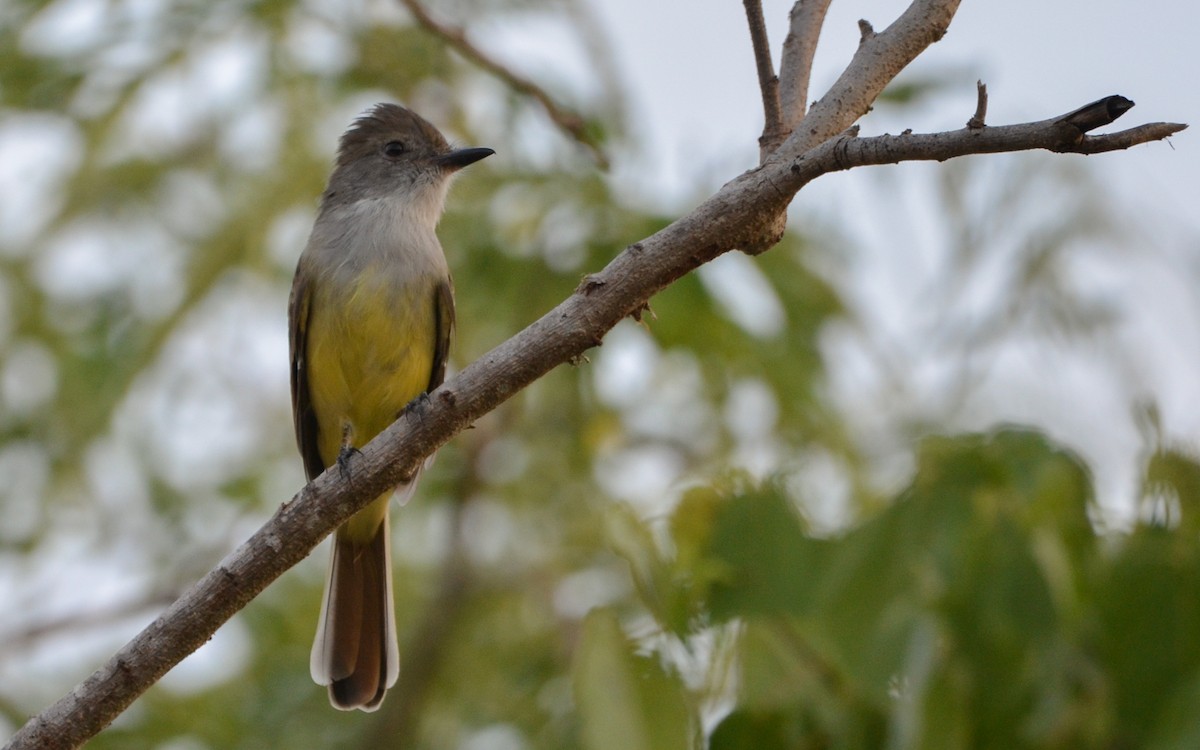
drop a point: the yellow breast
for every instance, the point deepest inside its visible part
(370, 352)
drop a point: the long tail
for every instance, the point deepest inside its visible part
(355, 651)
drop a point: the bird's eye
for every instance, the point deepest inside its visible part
(393, 149)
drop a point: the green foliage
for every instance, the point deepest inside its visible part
(977, 610)
(627, 700)
(1172, 487)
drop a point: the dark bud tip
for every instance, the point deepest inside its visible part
(1097, 114)
(1119, 105)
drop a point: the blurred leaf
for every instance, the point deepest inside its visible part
(962, 552)
(1148, 606)
(766, 564)
(745, 730)
(1173, 474)
(627, 701)
(1178, 726)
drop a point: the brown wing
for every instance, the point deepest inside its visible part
(303, 416)
(443, 316)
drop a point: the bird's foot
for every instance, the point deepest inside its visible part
(416, 406)
(343, 460)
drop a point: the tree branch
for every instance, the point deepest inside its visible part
(876, 62)
(795, 68)
(569, 122)
(773, 132)
(1056, 134)
(879, 58)
(739, 214)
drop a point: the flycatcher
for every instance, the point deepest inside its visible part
(370, 319)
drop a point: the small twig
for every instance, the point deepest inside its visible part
(1123, 139)
(569, 122)
(865, 30)
(795, 69)
(773, 132)
(979, 119)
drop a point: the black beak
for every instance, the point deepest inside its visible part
(462, 157)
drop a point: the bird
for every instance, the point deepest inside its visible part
(370, 319)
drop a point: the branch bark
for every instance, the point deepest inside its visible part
(876, 62)
(795, 68)
(740, 214)
(768, 83)
(878, 59)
